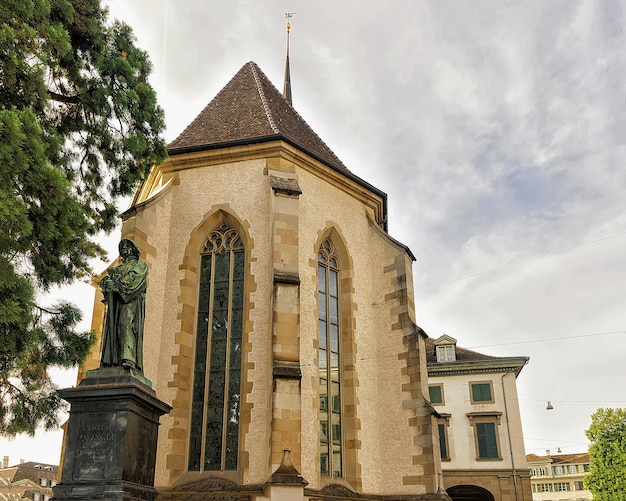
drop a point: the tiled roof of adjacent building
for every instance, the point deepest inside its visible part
(579, 458)
(29, 470)
(469, 361)
(462, 354)
(250, 109)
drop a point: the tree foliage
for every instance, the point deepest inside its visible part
(79, 127)
(607, 452)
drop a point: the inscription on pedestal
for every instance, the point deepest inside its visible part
(111, 440)
(95, 447)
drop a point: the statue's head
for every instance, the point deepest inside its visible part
(126, 244)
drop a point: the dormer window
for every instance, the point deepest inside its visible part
(445, 353)
(445, 349)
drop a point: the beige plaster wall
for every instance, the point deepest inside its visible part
(388, 440)
(461, 438)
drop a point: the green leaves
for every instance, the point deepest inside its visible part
(607, 471)
(79, 127)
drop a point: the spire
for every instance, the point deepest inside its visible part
(287, 86)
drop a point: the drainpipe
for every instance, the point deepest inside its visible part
(508, 432)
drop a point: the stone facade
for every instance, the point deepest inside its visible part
(284, 200)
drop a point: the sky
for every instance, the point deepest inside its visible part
(498, 131)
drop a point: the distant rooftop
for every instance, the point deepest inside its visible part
(579, 458)
(30, 470)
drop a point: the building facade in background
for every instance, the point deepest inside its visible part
(27, 480)
(480, 430)
(559, 477)
(280, 322)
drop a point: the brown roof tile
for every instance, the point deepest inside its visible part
(471, 362)
(580, 458)
(249, 108)
(583, 457)
(462, 354)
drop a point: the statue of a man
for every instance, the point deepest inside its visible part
(124, 292)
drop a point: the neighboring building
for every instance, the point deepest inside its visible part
(480, 430)
(28, 480)
(279, 314)
(559, 477)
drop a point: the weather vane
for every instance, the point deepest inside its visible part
(288, 16)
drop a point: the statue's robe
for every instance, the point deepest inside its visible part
(123, 329)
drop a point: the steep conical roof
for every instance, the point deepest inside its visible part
(249, 109)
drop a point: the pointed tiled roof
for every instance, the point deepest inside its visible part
(249, 109)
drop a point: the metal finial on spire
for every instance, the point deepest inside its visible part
(288, 16)
(287, 86)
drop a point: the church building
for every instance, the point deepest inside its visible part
(280, 323)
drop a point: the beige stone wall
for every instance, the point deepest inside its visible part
(388, 446)
(235, 192)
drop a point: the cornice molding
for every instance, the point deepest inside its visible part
(513, 364)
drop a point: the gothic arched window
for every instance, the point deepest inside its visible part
(214, 436)
(330, 445)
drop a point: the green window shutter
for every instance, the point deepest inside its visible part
(486, 439)
(442, 441)
(481, 392)
(435, 394)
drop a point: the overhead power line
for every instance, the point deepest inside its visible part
(548, 339)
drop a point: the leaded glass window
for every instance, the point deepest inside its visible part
(330, 445)
(214, 436)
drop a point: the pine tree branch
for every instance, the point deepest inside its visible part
(64, 99)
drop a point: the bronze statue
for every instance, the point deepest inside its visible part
(124, 292)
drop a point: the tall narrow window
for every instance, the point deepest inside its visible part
(214, 433)
(486, 440)
(329, 361)
(443, 440)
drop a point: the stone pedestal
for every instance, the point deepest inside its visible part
(111, 438)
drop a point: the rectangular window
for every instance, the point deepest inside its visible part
(545, 487)
(481, 392)
(579, 486)
(542, 471)
(557, 470)
(561, 487)
(445, 353)
(586, 468)
(443, 441)
(486, 440)
(435, 393)
(572, 468)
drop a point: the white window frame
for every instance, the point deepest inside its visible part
(446, 353)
